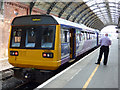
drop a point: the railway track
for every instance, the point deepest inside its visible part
(27, 86)
(6, 74)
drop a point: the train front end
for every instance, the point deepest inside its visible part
(35, 44)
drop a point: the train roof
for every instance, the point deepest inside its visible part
(46, 19)
(66, 22)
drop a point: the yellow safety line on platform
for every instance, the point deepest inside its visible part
(91, 76)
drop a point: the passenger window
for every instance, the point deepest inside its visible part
(82, 36)
(87, 35)
(78, 35)
(91, 36)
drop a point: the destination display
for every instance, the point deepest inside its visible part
(34, 20)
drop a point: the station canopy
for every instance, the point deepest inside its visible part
(92, 13)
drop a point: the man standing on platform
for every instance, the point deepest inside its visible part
(105, 42)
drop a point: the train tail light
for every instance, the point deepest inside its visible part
(14, 53)
(47, 55)
(44, 55)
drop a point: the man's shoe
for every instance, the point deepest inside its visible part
(97, 63)
(105, 64)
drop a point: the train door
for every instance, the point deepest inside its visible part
(72, 43)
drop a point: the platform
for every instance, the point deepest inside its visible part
(86, 74)
(4, 64)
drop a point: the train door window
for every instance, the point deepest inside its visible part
(16, 37)
(30, 37)
(66, 35)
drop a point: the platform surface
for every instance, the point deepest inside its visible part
(86, 74)
(4, 64)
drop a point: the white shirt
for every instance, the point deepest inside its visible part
(105, 41)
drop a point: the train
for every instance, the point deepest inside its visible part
(46, 42)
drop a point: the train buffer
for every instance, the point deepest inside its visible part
(86, 74)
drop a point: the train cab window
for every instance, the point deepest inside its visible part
(40, 37)
(34, 37)
(47, 38)
(16, 39)
(30, 38)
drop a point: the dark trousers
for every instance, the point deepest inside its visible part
(105, 50)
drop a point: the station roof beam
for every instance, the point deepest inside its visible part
(51, 7)
(70, 14)
(80, 13)
(105, 12)
(62, 11)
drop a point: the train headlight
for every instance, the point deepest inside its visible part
(14, 53)
(47, 55)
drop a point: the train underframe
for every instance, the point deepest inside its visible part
(29, 74)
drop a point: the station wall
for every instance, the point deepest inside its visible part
(11, 10)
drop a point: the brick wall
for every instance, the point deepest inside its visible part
(9, 14)
(1, 39)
